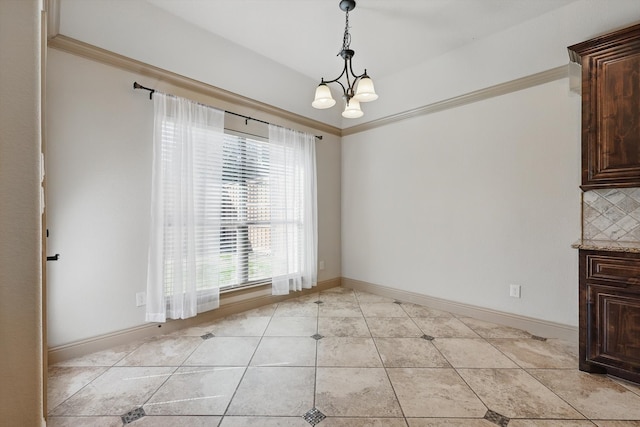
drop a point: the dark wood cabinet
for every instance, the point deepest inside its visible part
(610, 109)
(610, 313)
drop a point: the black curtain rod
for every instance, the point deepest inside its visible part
(137, 85)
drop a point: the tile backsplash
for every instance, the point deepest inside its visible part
(612, 214)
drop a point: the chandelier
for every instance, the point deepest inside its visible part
(357, 89)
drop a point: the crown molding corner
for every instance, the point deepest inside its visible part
(52, 9)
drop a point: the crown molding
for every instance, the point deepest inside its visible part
(468, 98)
(85, 50)
(94, 53)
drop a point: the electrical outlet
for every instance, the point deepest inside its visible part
(141, 299)
(514, 291)
(321, 265)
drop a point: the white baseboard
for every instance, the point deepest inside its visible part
(240, 301)
(541, 328)
(230, 303)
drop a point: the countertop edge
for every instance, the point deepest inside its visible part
(604, 245)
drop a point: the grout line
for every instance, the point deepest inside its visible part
(246, 368)
(51, 410)
(556, 394)
(315, 368)
(471, 388)
(168, 376)
(386, 371)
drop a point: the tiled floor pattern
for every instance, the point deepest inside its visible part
(339, 358)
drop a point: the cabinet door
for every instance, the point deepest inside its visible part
(613, 323)
(610, 109)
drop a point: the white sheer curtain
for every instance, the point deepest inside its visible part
(184, 247)
(294, 235)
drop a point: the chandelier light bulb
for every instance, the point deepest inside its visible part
(323, 97)
(365, 91)
(352, 109)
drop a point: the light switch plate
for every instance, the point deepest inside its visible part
(141, 299)
(514, 291)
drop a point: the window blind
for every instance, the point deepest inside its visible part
(231, 194)
(245, 240)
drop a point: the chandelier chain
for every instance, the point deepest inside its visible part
(346, 39)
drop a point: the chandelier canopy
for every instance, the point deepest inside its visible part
(357, 88)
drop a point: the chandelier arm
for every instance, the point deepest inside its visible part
(337, 79)
(354, 74)
(349, 92)
(352, 86)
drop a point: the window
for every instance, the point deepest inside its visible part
(227, 210)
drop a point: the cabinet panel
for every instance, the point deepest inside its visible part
(615, 328)
(606, 268)
(618, 135)
(610, 109)
(610, 313)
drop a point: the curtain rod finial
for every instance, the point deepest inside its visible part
(137, 85)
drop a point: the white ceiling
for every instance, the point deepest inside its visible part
(387, 35)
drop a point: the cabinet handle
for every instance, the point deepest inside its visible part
(54, 257)
(590, 324)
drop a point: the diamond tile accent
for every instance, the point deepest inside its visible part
(601, 222)
(496, 418)
(207, 336)
(614, 214)
(313, 416)
(614, 195)
(427, 337)
(133, 415)
(611, 214)
(628, 204)
(317, 337)
(318, 302)
(536, 337)
(397, 302)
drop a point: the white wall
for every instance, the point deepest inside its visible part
(99, 169)
(536, 45)
(140, 30)
(461, 203)
(21, 397)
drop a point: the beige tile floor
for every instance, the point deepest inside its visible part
(373, 362)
